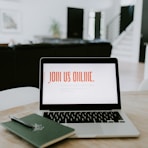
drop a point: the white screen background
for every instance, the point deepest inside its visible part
(102, 91)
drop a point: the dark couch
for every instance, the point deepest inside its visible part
(7, 67)
(20, 64)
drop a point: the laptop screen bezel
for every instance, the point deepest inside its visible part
(76, 60)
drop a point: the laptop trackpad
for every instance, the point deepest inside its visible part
(86, 130)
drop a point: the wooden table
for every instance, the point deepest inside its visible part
(135, 105)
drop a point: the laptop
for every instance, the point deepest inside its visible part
(83, 93)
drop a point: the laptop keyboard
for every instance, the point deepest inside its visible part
(85, 117)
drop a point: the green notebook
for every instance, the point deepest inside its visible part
(51, 132)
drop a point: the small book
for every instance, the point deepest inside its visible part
(45, 133)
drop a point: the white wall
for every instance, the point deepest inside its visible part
(111, 20)
(128, 2)
(36, 16)
(137, 29)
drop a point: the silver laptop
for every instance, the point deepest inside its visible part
(84, 93)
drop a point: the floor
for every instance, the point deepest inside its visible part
(131, 75)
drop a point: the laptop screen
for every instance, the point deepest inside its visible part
(79, 83)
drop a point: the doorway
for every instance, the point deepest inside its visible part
(75, 23)
(97, 25)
